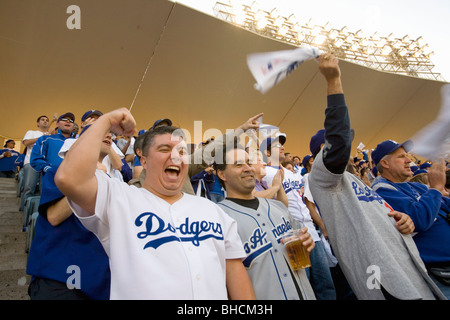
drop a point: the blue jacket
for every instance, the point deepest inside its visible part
(44, 154)
(8, 164)
(208, 179)
(67, 250)
(427, 209)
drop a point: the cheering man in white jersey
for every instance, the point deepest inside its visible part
(162, 243)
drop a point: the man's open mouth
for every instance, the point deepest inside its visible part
(173, 170)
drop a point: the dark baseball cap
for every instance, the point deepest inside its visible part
(265, 145)
(89, 113)
(157, 122)
(67, 115)
(389, 146)
(316, 141)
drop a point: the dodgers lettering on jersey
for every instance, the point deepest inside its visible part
(290, 185)
(258, 244)
(162, 232)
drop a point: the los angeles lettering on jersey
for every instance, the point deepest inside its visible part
(162, 232)
(366, 194)
(258, 244)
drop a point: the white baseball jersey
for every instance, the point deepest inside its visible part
(297, 208)
(158, 250)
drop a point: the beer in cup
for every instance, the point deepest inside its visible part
(295, 251)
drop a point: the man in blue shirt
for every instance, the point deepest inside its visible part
(66, 260)
(427, 206)
(44, 154)
(8, 156)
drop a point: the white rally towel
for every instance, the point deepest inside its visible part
(270, 68)
(433, 141)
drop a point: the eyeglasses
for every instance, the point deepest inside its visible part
(277, 145)
(67, 120)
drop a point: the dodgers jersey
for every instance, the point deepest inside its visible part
(364, 237)
(297, 208)
(261, 231)
(158, 250)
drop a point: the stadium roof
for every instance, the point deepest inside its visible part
(197, 72)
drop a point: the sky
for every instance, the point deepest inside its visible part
(429, 19)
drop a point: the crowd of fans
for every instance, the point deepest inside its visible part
(414, 194)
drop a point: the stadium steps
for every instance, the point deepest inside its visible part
(13, 259)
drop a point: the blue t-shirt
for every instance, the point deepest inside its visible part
(68, 250)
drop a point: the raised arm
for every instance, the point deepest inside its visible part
(203, 157)
(337, 146)
(76, 174)
(329, 67)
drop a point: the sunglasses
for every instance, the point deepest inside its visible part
(67, 120)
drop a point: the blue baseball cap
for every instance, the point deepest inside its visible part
(306, 159)
(89, 113)
(158, 122)
(425, 165)
(361, 163)
(420, 171)
(319, 138)
(265, 145)
(67, 115)
(316, 141)
(389, 146)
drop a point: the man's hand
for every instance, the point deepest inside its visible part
(122, 122)
(278, 179)
(404, 223)
(251, 123)
(436, 175)
(87, 122)
(308, 242)
(209, 170)
(329, 67)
